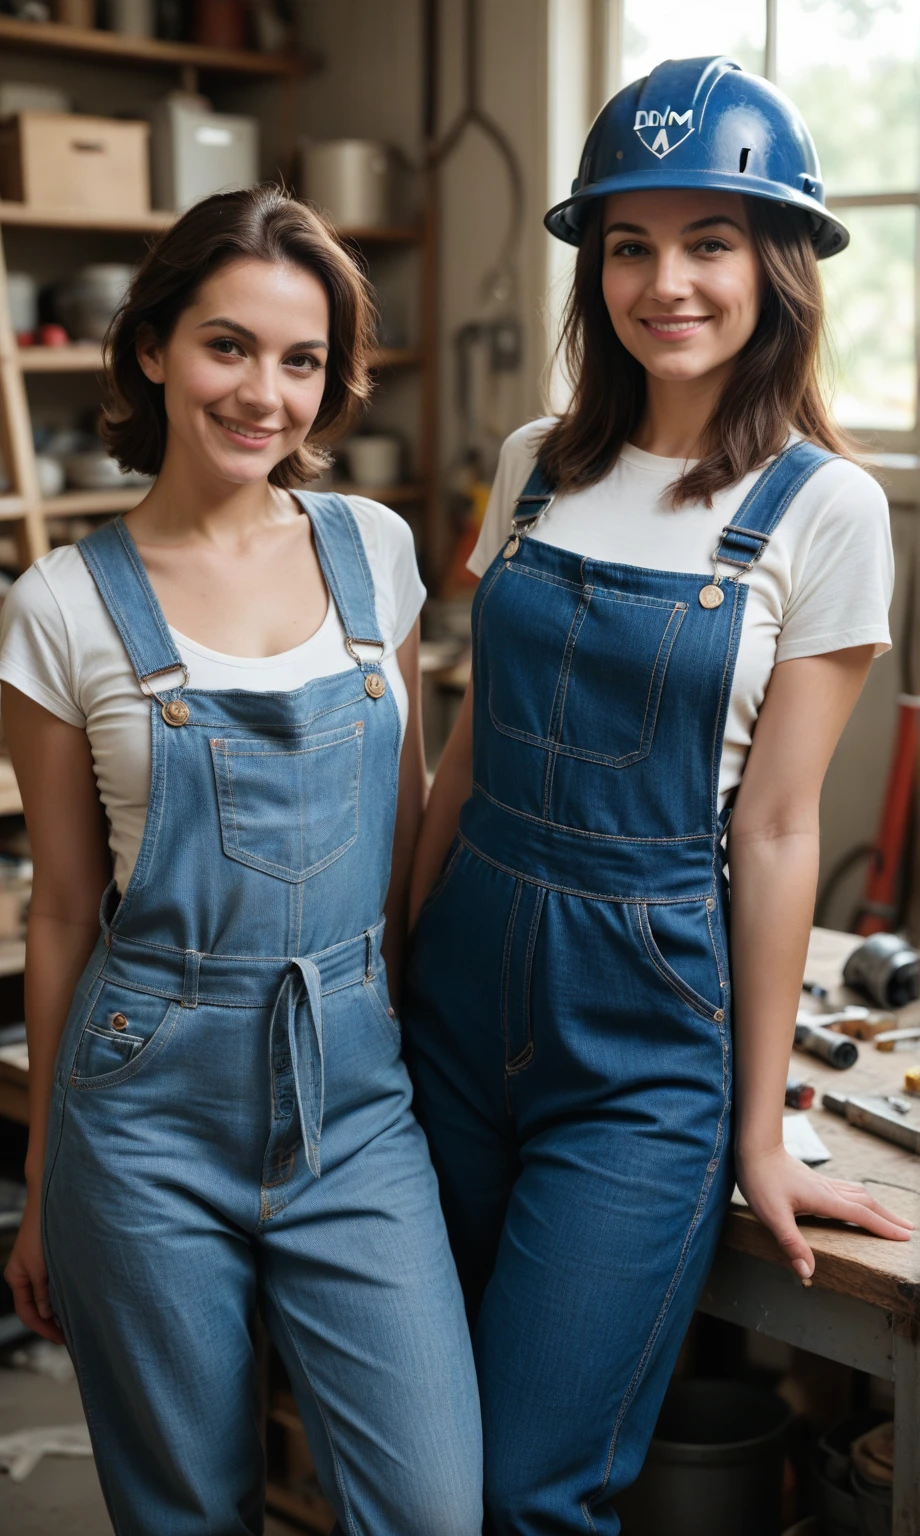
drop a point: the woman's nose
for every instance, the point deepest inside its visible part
(670, 279)
(259, 391)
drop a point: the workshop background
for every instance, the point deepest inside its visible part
(436, 133)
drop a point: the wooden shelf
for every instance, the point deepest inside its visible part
(152, 222)
(86, 357)
(80, 357)
(146, 52)
(394, 234)
(11, 507)
(389, 495)
(89, 503)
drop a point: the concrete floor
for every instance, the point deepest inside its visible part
(62, 1496)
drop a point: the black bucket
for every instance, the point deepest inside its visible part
(714, 1467)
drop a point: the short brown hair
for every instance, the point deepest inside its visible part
(264, 224)
(773, 386)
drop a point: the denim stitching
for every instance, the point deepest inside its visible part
(526, 1056)
(506, 966)
(603, 837)
(566, 890)
(562, 681)
(346, 1503)
(677, 984)
(631, 1390)
(605, 594)
(154, 1047)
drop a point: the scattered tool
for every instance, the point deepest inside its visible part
(815, 989)
(886, 968)
(799, 1095)
(891, 1038)
(813, 1035)
(874, 1116)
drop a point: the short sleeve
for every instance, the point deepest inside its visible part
(515, 462)
(842, 589)
(35, 652)
(398, 588)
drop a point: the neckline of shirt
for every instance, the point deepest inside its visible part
(655, 463)
(259, 663)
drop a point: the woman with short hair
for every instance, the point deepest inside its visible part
(212, 707)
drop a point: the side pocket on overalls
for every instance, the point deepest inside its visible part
(124, 1033)
(677, 939)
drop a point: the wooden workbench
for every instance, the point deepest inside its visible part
(864, 1305)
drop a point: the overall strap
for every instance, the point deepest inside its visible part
(533, 500)
(744, 540)
(344, 564)
(118, 571)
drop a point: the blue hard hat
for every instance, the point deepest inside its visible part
(701, 123)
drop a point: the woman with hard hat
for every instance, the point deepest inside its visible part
(686, 552)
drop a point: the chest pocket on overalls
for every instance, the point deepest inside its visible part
(289, 806)
(578, 669)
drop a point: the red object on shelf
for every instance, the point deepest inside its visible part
(220, 23)
(879, 908)
(53, 336)
(25, 338)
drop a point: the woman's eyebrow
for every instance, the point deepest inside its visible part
(221, 322)
(715, 218)
(707, 223)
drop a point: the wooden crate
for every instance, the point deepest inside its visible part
(88, 164)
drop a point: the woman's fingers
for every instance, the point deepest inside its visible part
(28, 1311)
(860, 1208)
(791, 1240)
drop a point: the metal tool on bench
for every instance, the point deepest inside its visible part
(813, 1033)
(886, 968)
(875, 1116)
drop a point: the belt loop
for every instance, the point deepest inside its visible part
(368, 955)
(190, 979)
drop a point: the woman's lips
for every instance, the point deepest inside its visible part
(249, 437)
(674, 328)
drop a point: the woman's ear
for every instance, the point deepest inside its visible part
(149, 353)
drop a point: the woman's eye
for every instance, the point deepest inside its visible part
(226, 347)
(304, 362)
(712, 247)
(629, 248)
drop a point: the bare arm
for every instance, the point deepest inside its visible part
(452, 785)
(413, 792)
(773, 860)
(70, 855)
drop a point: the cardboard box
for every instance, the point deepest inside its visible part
(86, 164)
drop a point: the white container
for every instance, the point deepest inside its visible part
(23, 293)
(350, 179)
(51, 475)
(195, 152)
(374, 460)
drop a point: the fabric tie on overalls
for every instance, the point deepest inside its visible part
(236, 755)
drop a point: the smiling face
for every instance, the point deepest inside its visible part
(681, 279)
(244, 369)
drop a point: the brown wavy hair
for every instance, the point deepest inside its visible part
(774, 386)
(261, 223)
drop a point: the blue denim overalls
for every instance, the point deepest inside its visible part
(230, 1123)
(568, 1017)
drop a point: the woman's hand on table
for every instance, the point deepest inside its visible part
(778, 1188)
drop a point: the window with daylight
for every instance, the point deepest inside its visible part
(853, 69)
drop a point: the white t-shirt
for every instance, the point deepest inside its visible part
(59, 646)
(823, 583)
